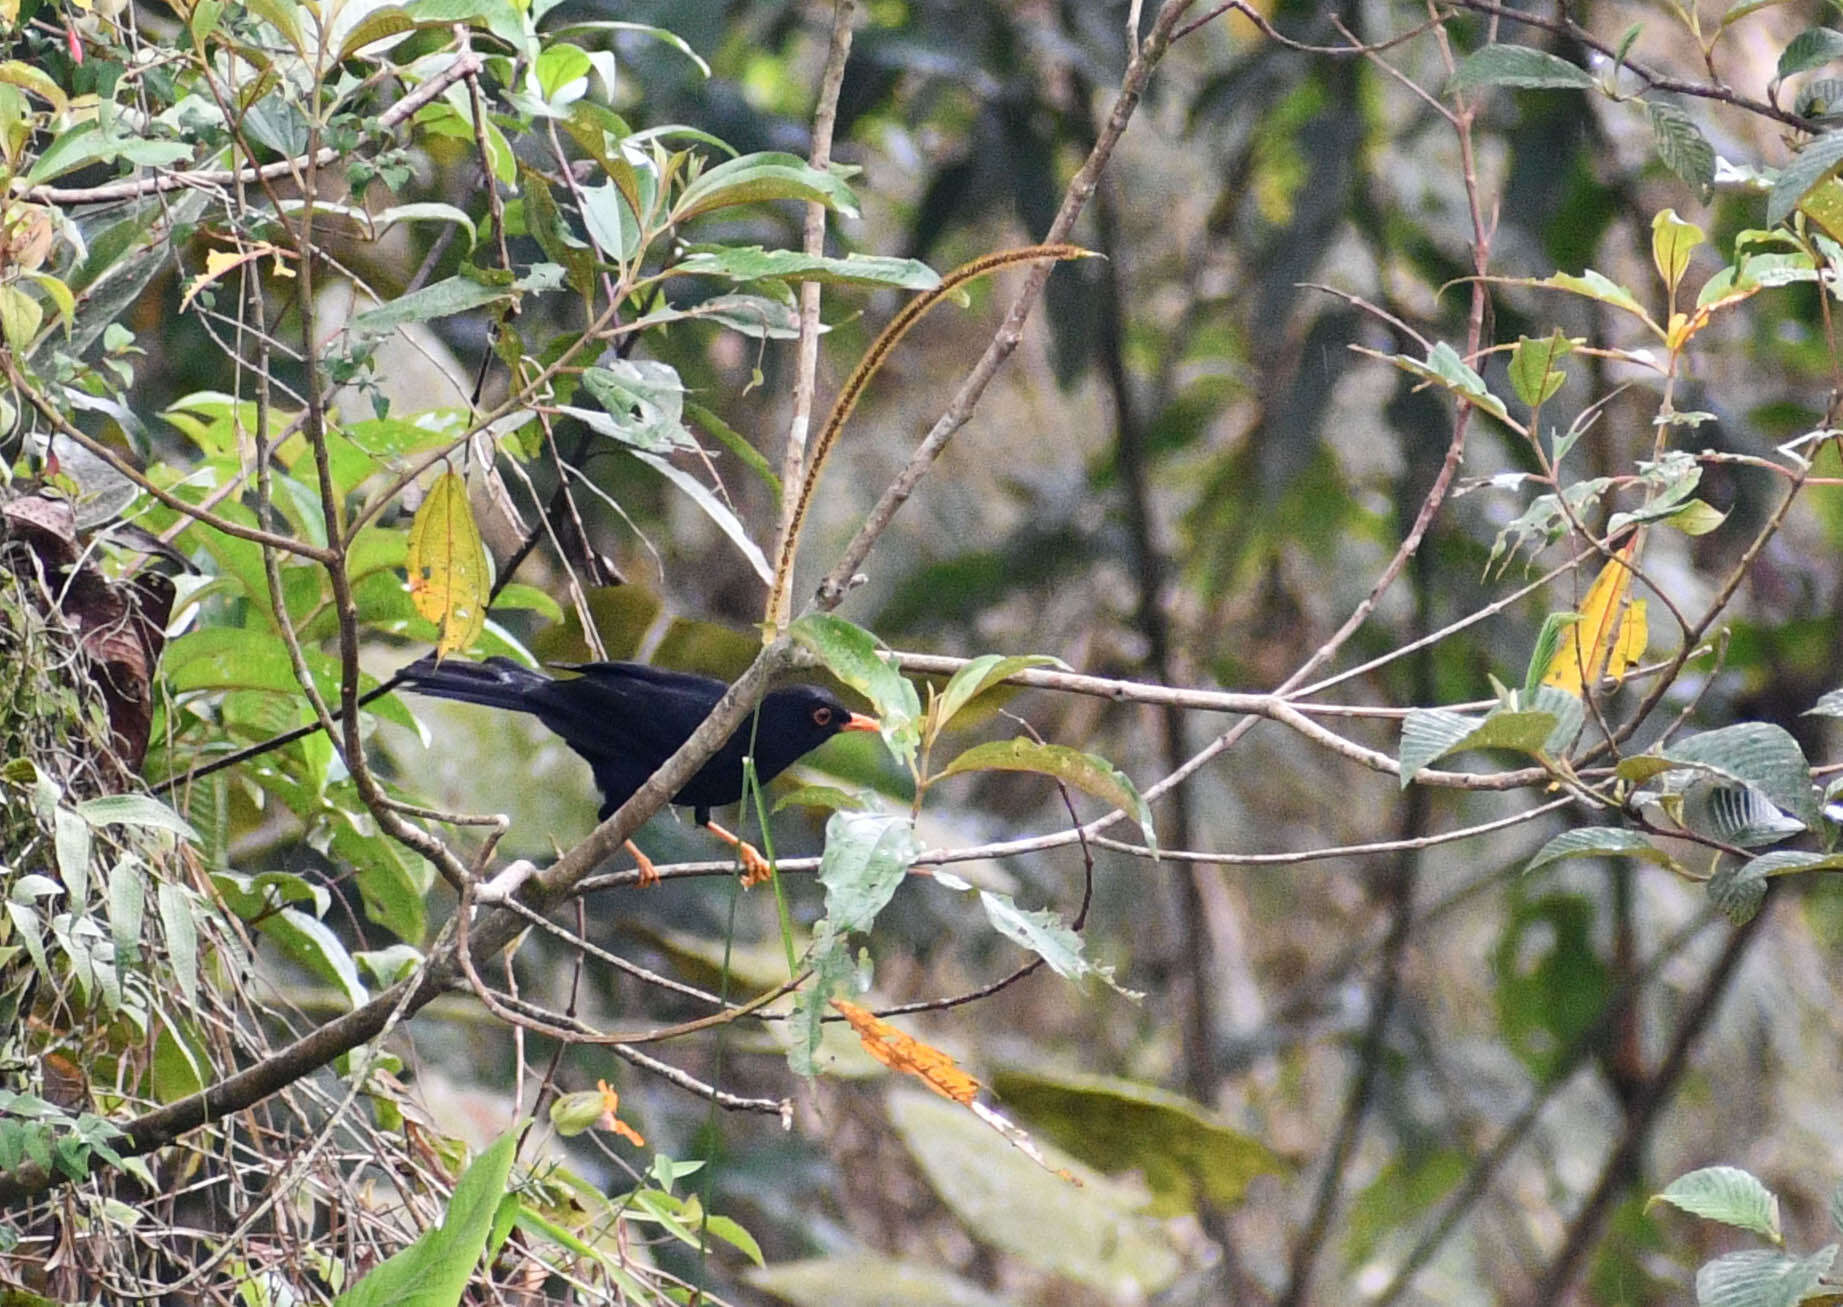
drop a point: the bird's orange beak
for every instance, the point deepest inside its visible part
(859, 722)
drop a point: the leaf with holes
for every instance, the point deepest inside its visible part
(1049, 937)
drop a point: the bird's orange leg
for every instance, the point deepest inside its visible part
(755, 868)
(649, 874)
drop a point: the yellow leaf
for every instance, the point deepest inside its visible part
(219, 262)
(1612, 632)
(449, 581)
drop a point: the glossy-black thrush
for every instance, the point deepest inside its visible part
(626, 719)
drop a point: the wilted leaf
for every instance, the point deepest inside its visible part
(903, 1052)
(1610, 638)
(449, 577)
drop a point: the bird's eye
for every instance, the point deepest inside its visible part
(822, 716)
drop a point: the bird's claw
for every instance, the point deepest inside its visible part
(755, 868)
(649, 874)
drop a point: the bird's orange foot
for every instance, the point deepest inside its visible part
(649, 874)
(755, 868)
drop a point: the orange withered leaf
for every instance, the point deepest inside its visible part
(900, 1052)
(611, 1103)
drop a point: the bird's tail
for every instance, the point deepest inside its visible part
(496, 683)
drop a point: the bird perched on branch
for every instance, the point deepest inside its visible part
(626, 719)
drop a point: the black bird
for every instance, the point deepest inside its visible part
(626, 719)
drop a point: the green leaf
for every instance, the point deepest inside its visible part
(1095, 1233)
(1819, 98)
(1758, 754)
(71, 844)
(87, 143)
(1429, 734)
(867, 855)
(974, 679)
(1811, 48)
(1518, 65)
(1087, 772)
(440, 300)
(752, 263)
(424, 211)
(135, 810)
(735, 1235)
(1542, 653)
(1682, 147)
(1743, 8)
(829, 797)
(833, 972)
(850, 653)
(733, 440)
(643, 404)
(128, 886)
(254, 897)
(20, 316)
(1673, 242)
(1049, 937)
(1760, 1277)
(1696, 518)
(1188, 1154)
(759, 317)
(310, 942)
(1829, 704)
(181, 933)
(435, 1270)
(1817, 161)
(1737, 893)
(1447, 370)
(754, 178)
(1600, 842)
(1736, 814)
(1593, 285)
(1534, 370)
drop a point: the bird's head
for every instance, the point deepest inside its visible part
(796, 721)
